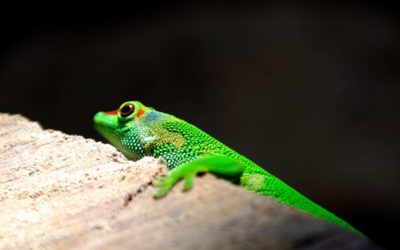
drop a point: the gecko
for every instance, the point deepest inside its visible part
(137, 131)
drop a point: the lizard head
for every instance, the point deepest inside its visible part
(120, 127)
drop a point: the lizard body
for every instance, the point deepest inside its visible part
(137, 131)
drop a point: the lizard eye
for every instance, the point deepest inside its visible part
(126, 110)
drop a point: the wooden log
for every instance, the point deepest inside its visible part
(61, 191)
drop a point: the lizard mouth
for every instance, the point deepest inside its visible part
(104, 121)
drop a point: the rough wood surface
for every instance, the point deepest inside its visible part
(61, 191)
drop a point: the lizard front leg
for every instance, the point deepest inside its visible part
(221, 166)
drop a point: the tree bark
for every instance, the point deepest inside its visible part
(61, 191)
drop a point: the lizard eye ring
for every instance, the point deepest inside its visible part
(126, 110)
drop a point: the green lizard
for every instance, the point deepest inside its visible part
(137, 131)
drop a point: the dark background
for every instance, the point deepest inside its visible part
(309, 91)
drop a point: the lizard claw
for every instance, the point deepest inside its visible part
(161, 192)
(165, 184)
(159, 182)
(188, 181)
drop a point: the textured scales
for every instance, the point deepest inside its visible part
(137, 131)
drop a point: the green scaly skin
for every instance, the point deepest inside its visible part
(138, 131)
